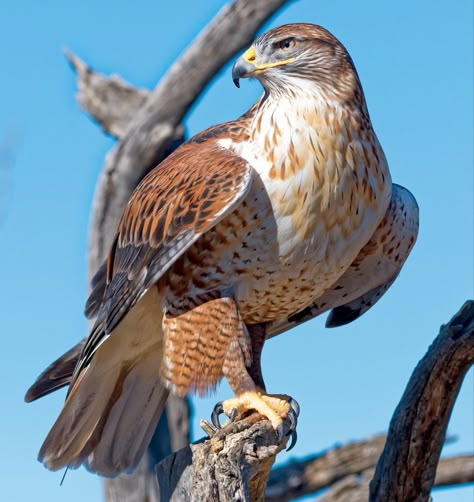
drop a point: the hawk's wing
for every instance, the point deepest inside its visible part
(189, 193)
(373, 271)
(344, 314)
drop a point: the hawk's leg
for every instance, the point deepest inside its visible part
(257, 339)
(249, 388)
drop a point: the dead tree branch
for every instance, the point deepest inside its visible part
(347, 470)
(301, 477)
(111, 101)
(407, 467)
(233, 464)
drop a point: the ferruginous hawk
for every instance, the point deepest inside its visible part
(248, 228)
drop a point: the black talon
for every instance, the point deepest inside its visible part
(293, 416)
(280, 433)
(233, 414)
(294, 406)
(293, 439)
(216, 412)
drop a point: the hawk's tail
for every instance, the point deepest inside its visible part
(114, 404)
(56, 375)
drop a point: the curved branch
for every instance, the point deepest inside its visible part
(111, 101)
(407, 467)
(347, 470)
(301, 477)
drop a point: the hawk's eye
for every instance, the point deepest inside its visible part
(287, 43)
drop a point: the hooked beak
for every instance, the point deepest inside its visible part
(244, 66)
(247, 65)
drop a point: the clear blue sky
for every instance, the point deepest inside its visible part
(416, 64)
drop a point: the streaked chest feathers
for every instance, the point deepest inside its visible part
(323, 186)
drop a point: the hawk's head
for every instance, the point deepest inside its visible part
(298, 55)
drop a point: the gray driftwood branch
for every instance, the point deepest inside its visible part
(233, 464)
(407, 467)
(111, 101)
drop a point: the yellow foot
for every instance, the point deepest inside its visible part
(273, 407)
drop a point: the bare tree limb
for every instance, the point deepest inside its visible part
(456, 470)
(353, 488)
(298, 478)
(347, 471)
(232, 465)
(451, 471)
(406, 469)
(111, 101)
(237, 460)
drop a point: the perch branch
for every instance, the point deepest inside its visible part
(232, 465)
(406, 469)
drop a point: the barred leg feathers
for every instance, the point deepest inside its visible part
(114, 406)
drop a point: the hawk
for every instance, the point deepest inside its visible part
(247, 229)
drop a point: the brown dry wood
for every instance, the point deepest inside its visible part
(348, 469)
(407, 467)
(233, 464)
(147, 124)
(301, 477)
(451, 471)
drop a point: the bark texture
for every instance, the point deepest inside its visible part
(347, 471)
(407, 467)
(233, 464)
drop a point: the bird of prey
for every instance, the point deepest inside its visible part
(248, 228)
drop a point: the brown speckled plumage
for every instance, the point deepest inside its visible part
(248, 228)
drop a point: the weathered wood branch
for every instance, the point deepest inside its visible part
(301, 477)
(451, 471)
(347, 470)
(111, 101)
(233, 464)
(407, 467)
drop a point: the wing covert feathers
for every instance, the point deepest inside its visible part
(186, 195)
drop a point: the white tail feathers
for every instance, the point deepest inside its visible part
(114, 406)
